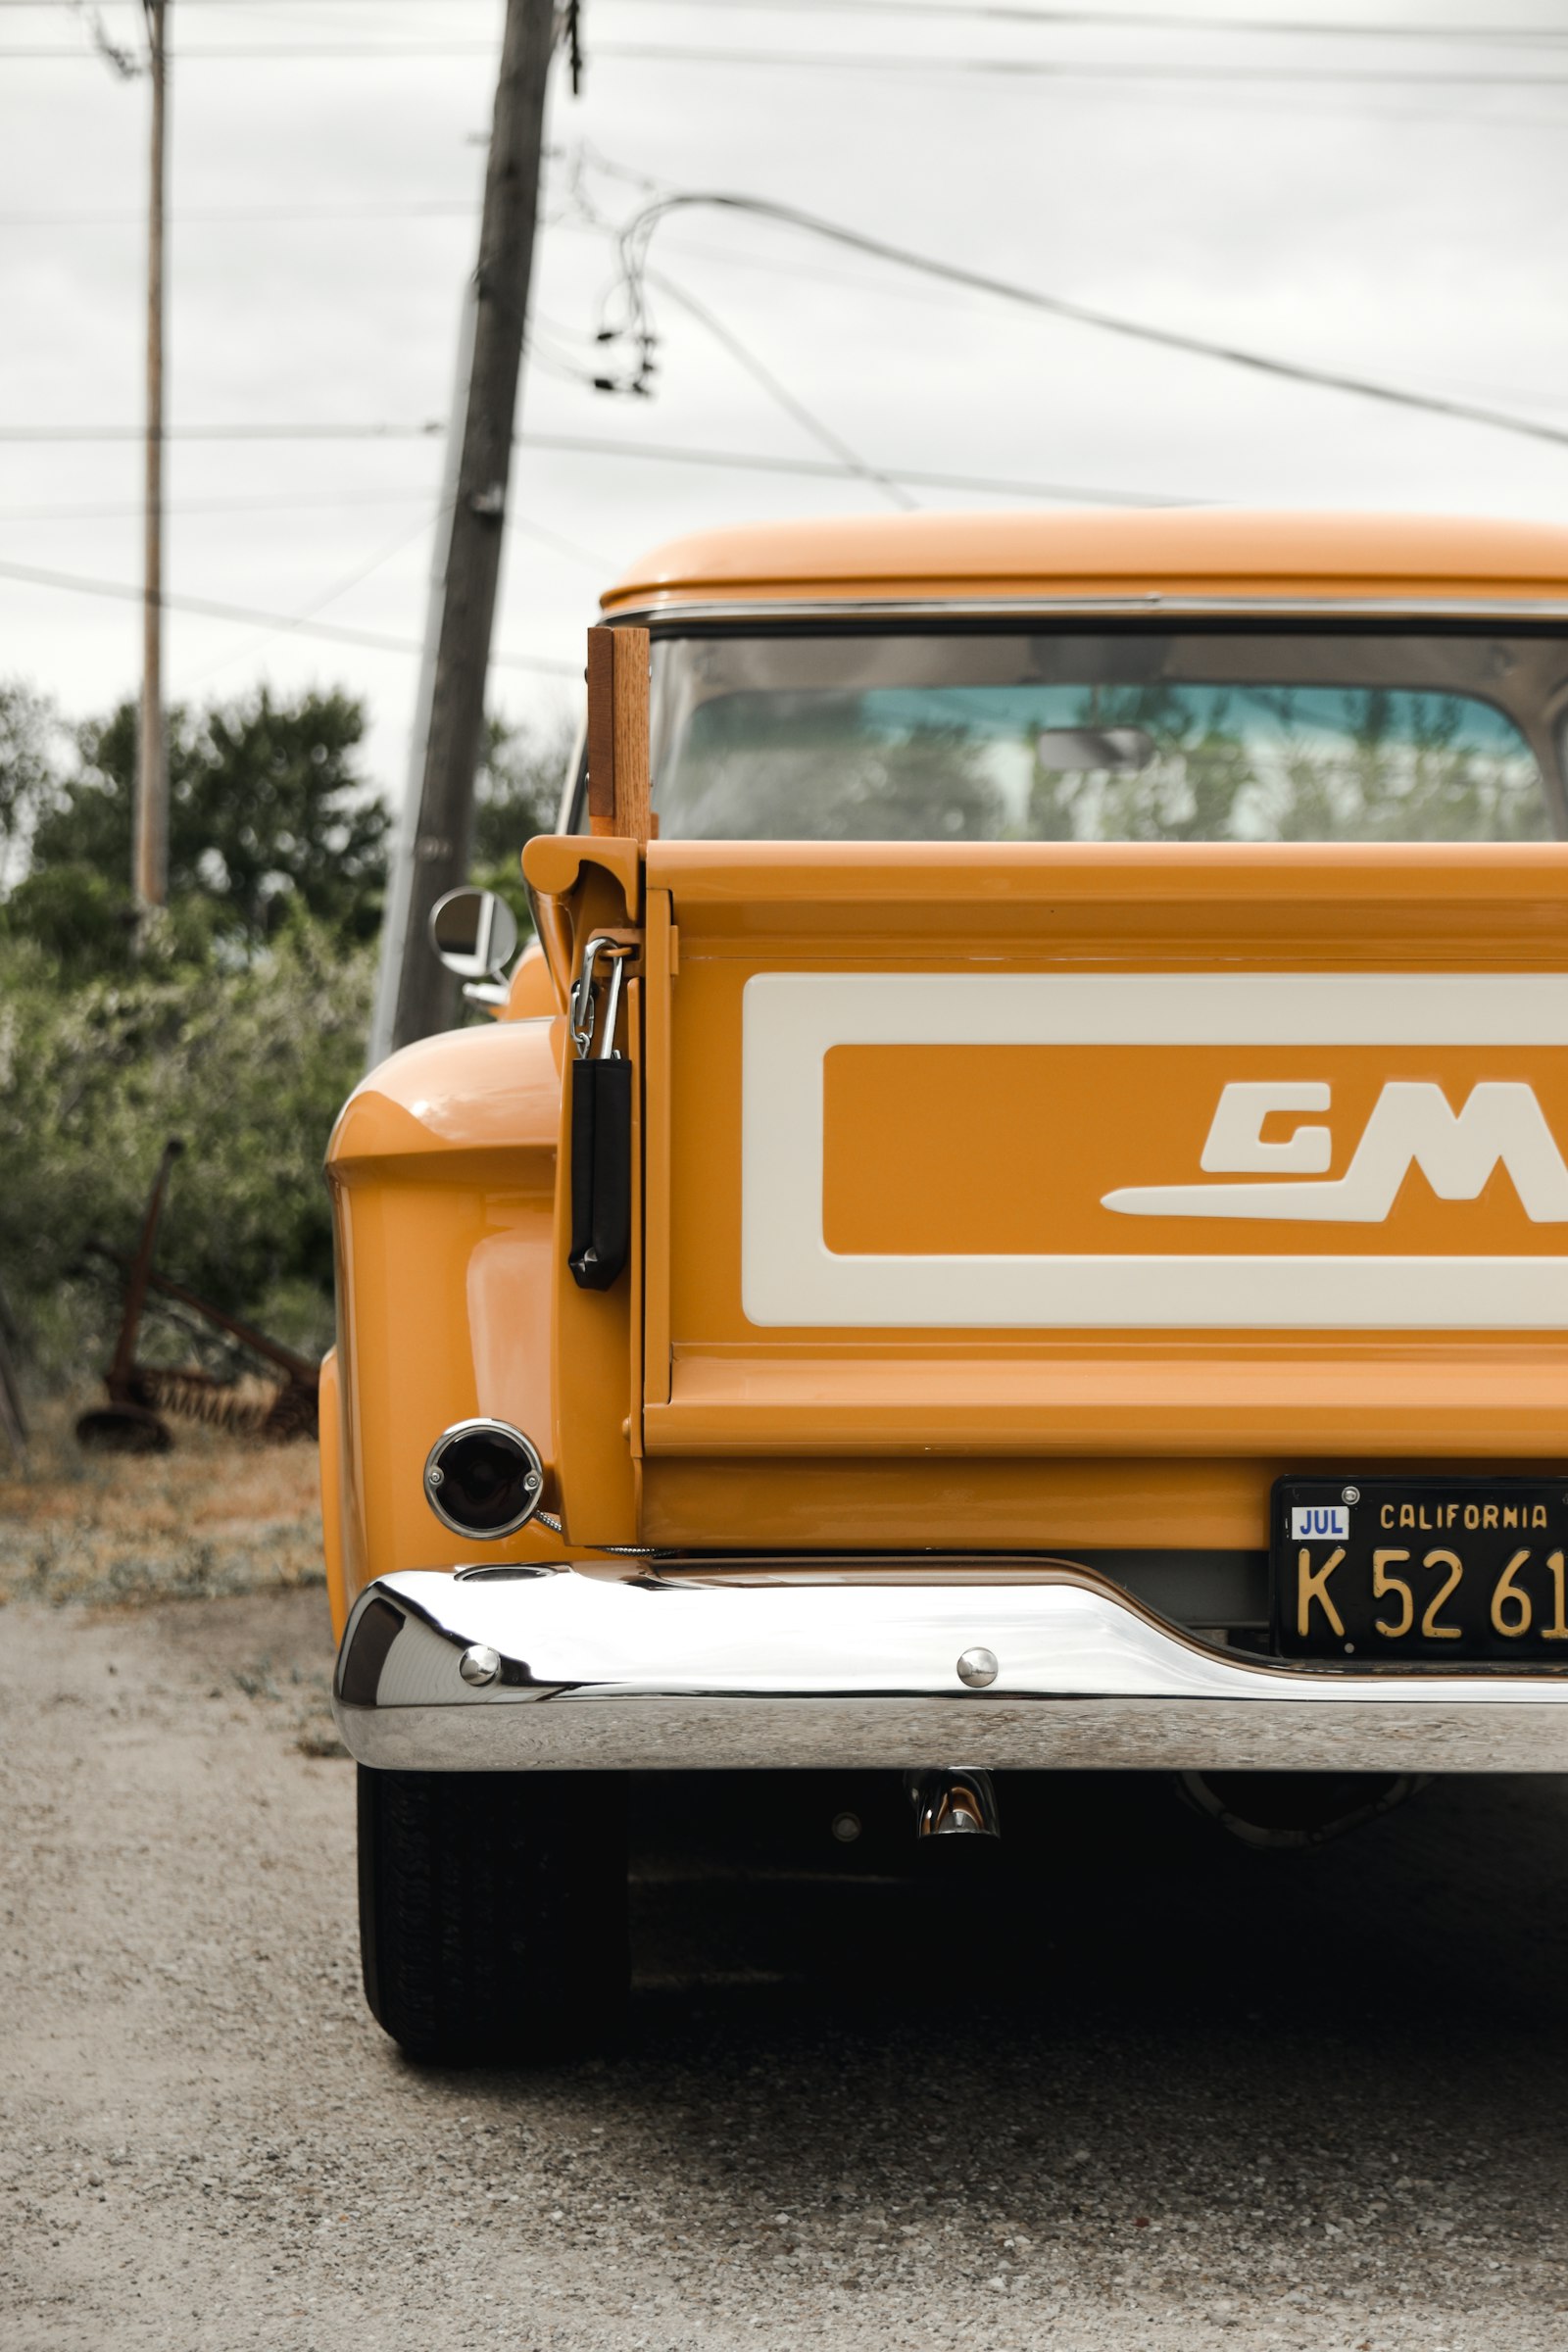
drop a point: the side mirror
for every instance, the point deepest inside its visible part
(1064, 750)
(474, 933)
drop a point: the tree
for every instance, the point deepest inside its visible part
(266, 811)
(249, 1063)
(516, 794)
(111, 1039)
(28, 771)
(1255, 762)
(779, 765)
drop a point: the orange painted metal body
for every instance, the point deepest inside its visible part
(1084, 560)
(665, 1414)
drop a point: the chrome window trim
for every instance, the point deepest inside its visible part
(675, 620)
(666, 618)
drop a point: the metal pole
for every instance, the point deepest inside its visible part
(395, 939)
(437, 855)
(150, 849)
(119, 1373)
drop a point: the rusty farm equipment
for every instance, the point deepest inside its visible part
(13, 1418)
(276, 1400)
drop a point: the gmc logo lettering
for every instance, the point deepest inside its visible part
(1412, 1125)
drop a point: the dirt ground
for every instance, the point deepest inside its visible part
(1141, 2089)
(215, 1515)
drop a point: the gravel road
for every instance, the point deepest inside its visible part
(1143, 2090)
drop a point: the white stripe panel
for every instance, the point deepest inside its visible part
(792, 1019)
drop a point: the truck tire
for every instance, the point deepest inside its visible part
(493, 1913)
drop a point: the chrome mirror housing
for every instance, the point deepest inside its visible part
(474, 933)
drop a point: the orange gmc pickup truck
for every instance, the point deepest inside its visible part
(1015, 1217)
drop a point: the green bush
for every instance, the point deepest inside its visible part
(236, 1019)
(516, 794)
(248, 1065)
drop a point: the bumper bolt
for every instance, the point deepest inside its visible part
(480, 1663)
(977, 1668)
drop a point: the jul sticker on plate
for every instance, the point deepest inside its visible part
(1319, 1523)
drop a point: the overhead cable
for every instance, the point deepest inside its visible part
(655, 453)
(209, 608)
(1139, 20)
(286, 502)
(288, 623)
(1070, 70)
(888, 484)
(831, 61)
(227, 214)
(1029, 12)
(639, 232)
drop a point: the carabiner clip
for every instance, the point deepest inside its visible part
(582, 1014)
(581, 1008)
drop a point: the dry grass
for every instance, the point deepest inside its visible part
(216, 1515)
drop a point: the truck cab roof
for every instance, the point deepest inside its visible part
(1182, 554)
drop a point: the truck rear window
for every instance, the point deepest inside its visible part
(1249, 735)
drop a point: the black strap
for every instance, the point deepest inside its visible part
(600, 1172)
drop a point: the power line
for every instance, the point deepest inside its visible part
(826, 470)
(639, 232)
(120, 510)
(1275, 90)
(426, 430)
(49, 8)
(569, 548)
(209, 608)
(657, 453)
(855, 62)
(227, 214)
(751, 262)
(301, 620)
(1320, 28)
(1075, 69)
(123, 61)
(823, 434)
(1018, 12)
(247, 50)
(1139, 20)
(728, 340)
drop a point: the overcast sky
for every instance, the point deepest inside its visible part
(1379, 202)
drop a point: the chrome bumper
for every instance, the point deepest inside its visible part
(740, 1671)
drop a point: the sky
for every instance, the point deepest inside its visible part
(1386, 199)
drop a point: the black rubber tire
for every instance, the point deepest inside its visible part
(493, 1913)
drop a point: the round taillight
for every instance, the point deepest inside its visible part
(483, 1479)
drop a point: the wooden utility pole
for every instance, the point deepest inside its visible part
(150, 849)
(436, 846)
